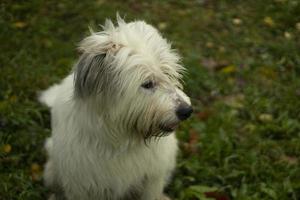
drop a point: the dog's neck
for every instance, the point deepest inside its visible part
(106, 137)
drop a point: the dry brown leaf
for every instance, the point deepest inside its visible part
(204, 115)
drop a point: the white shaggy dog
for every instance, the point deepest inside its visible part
(113, 116)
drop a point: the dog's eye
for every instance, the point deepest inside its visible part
(148, 85)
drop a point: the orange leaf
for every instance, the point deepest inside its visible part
(193, 142)
(35, 167)
(7, 148)
(204, 115)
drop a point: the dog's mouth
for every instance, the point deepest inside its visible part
(169, 127)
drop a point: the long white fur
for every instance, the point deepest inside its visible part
(91, 154)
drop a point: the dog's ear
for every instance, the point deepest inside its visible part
(93, 70)
(91, 75)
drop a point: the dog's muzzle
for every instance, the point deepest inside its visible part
(184, 111)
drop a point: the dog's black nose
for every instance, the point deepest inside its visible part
(184, 111)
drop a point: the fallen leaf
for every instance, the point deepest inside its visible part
(36, 176)
(194, 137)
(287, 35)
(237, 21)
(216, 195)
(162, 25)
(20, 24)
(199, 191)
(269, 21)
(7, 148)
(265, 117)
(192, 145)
(229, 69)
(213, 65)
(35, 167)
(204, 115)
(209, 45)
(36, 172)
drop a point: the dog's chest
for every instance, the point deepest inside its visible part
(126, 173)
(133, 165)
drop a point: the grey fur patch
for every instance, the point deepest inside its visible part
(91, 75)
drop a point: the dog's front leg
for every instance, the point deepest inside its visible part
(154, 189)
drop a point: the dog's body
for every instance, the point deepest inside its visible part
(108, 116)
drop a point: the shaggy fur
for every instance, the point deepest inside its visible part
(113, 115)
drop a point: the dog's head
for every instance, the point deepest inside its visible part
(132, 76)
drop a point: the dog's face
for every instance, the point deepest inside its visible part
(132, 77)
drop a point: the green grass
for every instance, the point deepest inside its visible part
(243, 141)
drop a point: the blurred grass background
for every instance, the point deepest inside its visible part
(243, 141)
